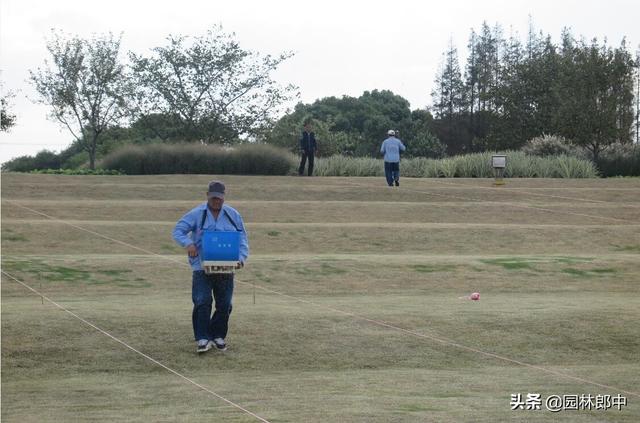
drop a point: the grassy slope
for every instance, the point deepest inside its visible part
(563, 297)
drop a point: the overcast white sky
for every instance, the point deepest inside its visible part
(342, 47)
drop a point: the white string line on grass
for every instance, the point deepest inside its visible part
(524, 206)
(153, 360)
(373, 321)
(450, 342)
(126, 244)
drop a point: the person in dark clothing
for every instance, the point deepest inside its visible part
(308, 149)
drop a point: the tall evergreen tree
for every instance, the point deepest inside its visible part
(514, 92)
(449, 97)
(638, 96)
(509, 94)
(471, 84)
(487, 50)
(598, 96)
(449, 93)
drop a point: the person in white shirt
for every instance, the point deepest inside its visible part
(391, 148)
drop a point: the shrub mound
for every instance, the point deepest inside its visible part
(247, 159)
(620, 160)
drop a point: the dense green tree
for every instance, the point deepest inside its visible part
(85, 86)
(212, 89)
(541, 75)
(509, 96)
(637, 95)
(597, 100)
(44, 159)
(515, 92)
(353, 125)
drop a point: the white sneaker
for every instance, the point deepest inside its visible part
(204, 345)
(219, 344)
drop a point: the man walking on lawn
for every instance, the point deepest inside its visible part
(210, 330)
(391, 148)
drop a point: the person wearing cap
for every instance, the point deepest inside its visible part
(308, 149)
(391, 148)
(210, 330)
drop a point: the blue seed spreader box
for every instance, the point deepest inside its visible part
(220, 251)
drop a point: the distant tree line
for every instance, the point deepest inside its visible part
(509, 93)
(355, 126)
(207, 89)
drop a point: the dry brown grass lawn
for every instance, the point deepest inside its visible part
(333, 258)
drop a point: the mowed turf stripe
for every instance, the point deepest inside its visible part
(364, 257)
(521, 191)
(182, 203)
(197, 182)
(380, 323)
(400, 225)
(180, 375)
(298, 212)
(509, 204)
(278, 189)
(321, 181)
(566, 240)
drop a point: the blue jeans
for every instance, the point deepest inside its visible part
(392, 172)
(206, 326)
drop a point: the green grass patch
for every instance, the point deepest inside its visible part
(14, 238)
(514, 263)
(627, 248)
(526, 263)
(9, 235)
(571, 260)
(273, 233)
(600, 271)
(73, 275)
(588, 273)
(328, 269)
(430, 268)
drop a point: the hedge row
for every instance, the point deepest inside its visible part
(256, 159)
(261, 159)
(620, 160)
(478, 165)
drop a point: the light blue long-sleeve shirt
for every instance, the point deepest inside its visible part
(188, 231)
(391, 148)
